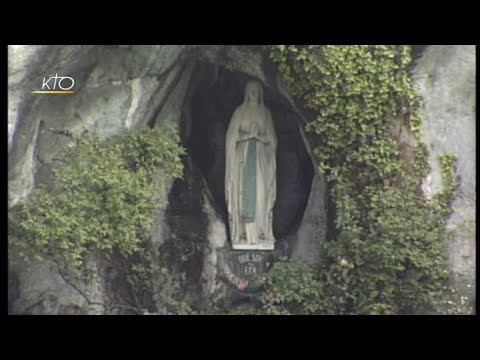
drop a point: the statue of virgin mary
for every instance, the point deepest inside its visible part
(250, 172)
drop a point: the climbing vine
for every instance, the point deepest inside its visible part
(387, 255)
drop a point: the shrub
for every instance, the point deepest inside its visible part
(102, 202)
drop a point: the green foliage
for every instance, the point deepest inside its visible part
(103, 202)
(293, 288)
(387, 257)
(355, 91)
(444, 198)
(145, 276)
(396, 265)
(420, 164)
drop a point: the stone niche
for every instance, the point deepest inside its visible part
(212, 95)
(212, 98)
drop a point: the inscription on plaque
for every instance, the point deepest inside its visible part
(244, 269)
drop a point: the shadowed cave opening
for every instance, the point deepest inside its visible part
(213, 95)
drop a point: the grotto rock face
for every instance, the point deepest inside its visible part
(122, 87)
(198, 87)
(445, 78)
(115, 88)
(313, 230)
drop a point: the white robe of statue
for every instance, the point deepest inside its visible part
(251, 123)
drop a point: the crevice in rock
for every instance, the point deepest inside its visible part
(168, 92)
(417, 50)
(182, 252)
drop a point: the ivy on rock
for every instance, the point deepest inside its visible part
(387, 255)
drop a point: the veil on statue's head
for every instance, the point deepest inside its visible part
(258, 85)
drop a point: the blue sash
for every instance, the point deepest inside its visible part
(250, 182)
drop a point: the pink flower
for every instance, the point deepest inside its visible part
(271, 297)
(242, 284)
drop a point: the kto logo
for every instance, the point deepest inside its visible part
(57, 85)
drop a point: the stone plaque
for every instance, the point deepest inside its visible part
(242, 270)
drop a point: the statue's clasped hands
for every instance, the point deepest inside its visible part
(253, 132)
